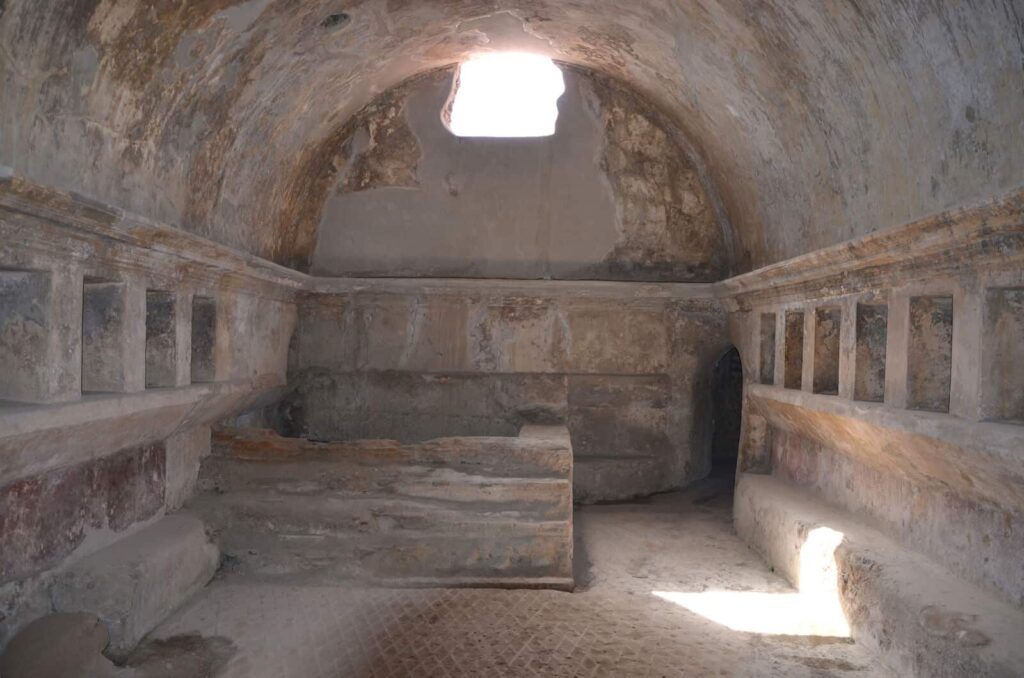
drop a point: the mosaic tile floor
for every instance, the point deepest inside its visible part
(615, 625)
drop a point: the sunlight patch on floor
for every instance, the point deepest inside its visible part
(814, 610)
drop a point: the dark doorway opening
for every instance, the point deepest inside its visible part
(726, 413)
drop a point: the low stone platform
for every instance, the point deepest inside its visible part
(485, 511)
(917, 617)
(135, 583)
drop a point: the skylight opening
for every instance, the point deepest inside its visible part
(505, 94)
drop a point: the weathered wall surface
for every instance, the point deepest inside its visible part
(984, 547)
(611, 196)
(46, 518)
(920, 438)
(91, 451)
(626, 371)
(817, 122)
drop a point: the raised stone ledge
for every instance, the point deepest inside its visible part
(32, 209)
(39, 438)
(992, 232)
(695, 296)
(49, 222)
(981, 460)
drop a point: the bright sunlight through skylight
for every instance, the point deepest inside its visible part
(506, 94)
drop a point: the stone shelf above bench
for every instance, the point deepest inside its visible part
(39, 438)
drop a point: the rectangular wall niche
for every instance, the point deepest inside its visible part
(1003, 355)
(872, 331)
(161, 344)
(827, 324)
(103, 336)
(794, 350)
(24, 335)
(930, 357)
(204, 336)
(767, 348)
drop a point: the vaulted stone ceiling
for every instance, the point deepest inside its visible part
(817, 121)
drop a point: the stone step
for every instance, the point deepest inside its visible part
(340, 513)
(135, 583)
(614, 478)
(532, 455)
(920, 619)
(406, 559)
(307, 478)
(452, 511)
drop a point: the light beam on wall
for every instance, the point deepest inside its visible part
(505, 94)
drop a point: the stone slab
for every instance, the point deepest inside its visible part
(137, 582)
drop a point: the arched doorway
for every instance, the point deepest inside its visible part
(726, 412)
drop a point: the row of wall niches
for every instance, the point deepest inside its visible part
(62, 336)
(927, 353)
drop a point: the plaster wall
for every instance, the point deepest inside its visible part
(90, 450)
(919, 438)
(611, 195)
(977, 540)
(628, 374)
(221, 117)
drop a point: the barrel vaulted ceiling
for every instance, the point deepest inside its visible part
(817, 121)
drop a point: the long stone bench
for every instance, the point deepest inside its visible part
(920, 619)
(486, 511)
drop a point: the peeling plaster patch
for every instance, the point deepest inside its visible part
(150, 36)
(612, 194)
(383, 151)
(243, 15)
(668, 228)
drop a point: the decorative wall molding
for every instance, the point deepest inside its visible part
(989, 235)
(695, 297)
(40, 222)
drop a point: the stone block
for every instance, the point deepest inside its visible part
(1003, 355)
(204, 339)
(827, 326)
(137, 582)
(40, 336)
(185, 451)
(871, 339)
(767, 353)
(794, 350)
(24, 333)
(161, 340)
(453, 511)
(45, 518)
(617, 341)
(620, 415)
(930, 353)
(105, 337)
(519, 335)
